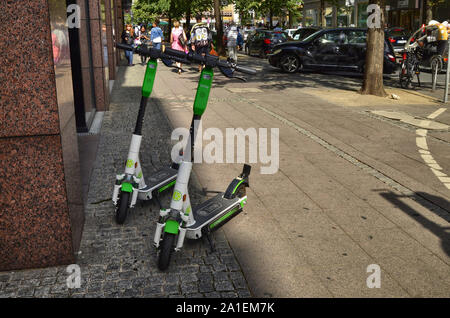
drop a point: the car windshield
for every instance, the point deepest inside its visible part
(278, 35)
(312, 36)
(397, 32)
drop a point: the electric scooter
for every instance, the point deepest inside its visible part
(182, 220)
(131, 185)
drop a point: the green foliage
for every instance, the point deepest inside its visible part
(264, 7)
(146, 11)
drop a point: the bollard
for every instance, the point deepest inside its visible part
(447, 75)
(434, 77)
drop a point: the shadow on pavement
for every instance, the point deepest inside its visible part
(440, 231)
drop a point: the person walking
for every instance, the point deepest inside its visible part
(144, 38)
(201, 38)
(156, 35)
(127, 38)
(178, 41)
(232, 37)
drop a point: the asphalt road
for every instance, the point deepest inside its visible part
(354, 190)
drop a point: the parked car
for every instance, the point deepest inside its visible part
(261, 41)
(303, 33)
(398, 38)
(329, 49)
(290, 32)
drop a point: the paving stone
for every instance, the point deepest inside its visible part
(223, 286)
(120, 260)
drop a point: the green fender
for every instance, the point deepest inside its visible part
(171, 227)
(127, 187)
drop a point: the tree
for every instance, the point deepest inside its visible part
(219, 27)
(268, 7)
(322, 21)
(373, 69)
(427, 11)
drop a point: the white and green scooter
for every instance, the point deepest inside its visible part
(131, 185)
(182, 220)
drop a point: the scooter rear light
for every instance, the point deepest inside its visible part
(392, 40)
(445, 59)
(404, 56)
(391, 58)
(267, 41)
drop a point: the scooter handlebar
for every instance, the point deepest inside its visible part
(202, 59)
(181, 56)
(124, 46)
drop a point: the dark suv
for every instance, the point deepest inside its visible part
(261, 41)
(329, 49)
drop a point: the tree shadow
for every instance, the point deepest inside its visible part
(430, 202)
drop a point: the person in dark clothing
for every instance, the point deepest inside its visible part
(127, 38)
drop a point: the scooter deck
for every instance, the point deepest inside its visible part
(212, 209)
(159, 179)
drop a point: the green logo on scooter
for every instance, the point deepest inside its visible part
(129, 163)
(177, 196)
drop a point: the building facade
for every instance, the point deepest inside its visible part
(50, 89)
(399, 13)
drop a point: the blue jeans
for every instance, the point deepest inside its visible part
(129, 56)
(157, 46)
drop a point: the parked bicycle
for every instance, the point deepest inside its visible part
(410, 68)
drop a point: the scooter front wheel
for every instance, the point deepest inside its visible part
(166, 249)
(122, 207)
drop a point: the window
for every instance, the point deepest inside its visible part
(333, 37)
(356, 37)
(279, 35)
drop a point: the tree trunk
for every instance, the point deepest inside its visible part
(322, 21)
(219, 28)
(170, 25)
(290, 19)
(427, 12)
(373, 70)
(270, 19)
(188, 21)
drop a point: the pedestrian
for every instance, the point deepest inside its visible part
(127, 38)
(201, 38)
(232, 37)
(240, 39)
(178, 41)
(144, 39)
(156, 35)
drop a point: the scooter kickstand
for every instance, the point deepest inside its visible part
(207, 234)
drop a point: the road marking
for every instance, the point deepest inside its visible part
(421, 142)
(437, 113)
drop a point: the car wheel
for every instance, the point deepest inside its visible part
(290, 63)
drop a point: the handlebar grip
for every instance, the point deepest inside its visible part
(124, 46)
(246, 70)
(175, 53)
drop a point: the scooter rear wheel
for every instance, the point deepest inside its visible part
(122, 207)
(166, 249)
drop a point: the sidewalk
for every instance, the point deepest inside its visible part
(120, 261)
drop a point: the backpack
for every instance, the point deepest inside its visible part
(200, 35)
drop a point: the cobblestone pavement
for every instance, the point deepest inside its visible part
(120, 261)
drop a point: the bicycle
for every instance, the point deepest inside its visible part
(410, 68)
